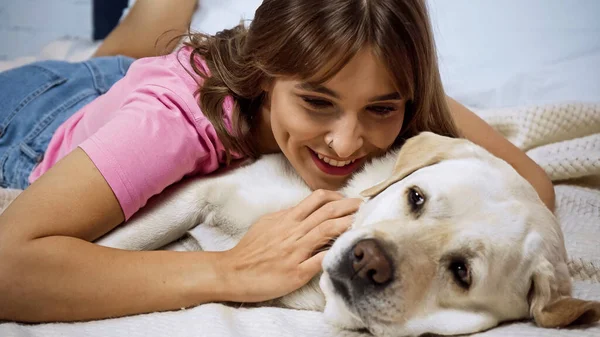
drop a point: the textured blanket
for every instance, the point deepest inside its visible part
(562, 138)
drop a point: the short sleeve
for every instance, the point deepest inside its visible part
(150, 144)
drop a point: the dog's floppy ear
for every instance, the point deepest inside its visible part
(551, 304)
(425, 149)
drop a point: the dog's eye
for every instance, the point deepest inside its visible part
(415, 198)
(461, 273)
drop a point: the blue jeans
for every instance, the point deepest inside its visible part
(37, 98)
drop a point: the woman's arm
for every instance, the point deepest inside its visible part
(50, 272)
(478, 131)
(137, 34)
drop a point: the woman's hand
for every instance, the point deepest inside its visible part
(277, 255)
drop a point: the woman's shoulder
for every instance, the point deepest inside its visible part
(173, 68)
(172, 76)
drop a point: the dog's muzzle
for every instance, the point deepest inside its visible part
(363, 268)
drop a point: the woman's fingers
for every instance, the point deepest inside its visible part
(313, 202)
(332, 210)
(309, 268)
(324, 233)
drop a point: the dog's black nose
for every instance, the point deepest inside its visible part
(370, 263)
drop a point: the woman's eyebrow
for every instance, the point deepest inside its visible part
(317, 88)
(388, 97)
(326, 91)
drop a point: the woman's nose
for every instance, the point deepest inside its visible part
(347, 138)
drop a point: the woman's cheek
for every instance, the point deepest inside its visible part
(382, 134)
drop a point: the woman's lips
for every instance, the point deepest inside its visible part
(333, 169)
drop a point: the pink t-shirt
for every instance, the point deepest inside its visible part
(146, 133)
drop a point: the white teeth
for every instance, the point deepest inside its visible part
(333, 162)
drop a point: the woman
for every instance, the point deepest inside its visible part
(329, 84)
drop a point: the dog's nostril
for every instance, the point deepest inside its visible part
(358, 254)
(370, 262)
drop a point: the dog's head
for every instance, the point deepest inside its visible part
(454, 242)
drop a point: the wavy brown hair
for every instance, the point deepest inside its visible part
(312, 40)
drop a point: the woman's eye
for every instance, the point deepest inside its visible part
(415, 199)
(461, 273)
(317, 103)
(382, 110)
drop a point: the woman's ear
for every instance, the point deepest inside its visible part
(267, 87)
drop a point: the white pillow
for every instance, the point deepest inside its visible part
(215, 15)
(514, 52)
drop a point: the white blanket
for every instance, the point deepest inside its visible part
(563, 138)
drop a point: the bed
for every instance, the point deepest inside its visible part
(531, 69)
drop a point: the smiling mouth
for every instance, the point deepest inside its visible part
(335, 163)
(334, 167)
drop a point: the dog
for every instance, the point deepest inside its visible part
(451, 241)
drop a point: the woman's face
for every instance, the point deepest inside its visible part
(328, 131)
